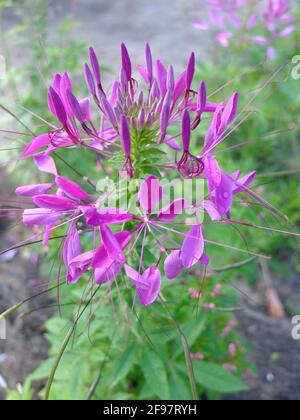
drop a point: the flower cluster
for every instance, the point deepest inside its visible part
(234, 18)
(226, 18)
(138, 126)
(279, 23)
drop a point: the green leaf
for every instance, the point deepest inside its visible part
(216, 378)
(74, 382)
(123, 366)
(179, 387)
(151, 170)
(155, 375)
(153, 152)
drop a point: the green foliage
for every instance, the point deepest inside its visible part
(216, 378)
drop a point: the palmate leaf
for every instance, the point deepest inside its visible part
(151, 170)
(123, 365)
(179, 387)
(154, 152)
(155, 374)
(216, 378)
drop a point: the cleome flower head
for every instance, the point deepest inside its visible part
(143, 128)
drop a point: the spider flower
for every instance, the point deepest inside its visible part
(278, 22)
(138, 128)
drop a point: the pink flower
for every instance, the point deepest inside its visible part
(226, 18)
(138, 133)
(231, 368)
(236, 19)
(147, 285)
(197, 356)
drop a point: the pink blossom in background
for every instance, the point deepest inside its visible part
(262, 22)
(197, 356)
(278, 22)
(231, 368)
(226, 18)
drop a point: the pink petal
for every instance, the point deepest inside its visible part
(71, 189)
(236, 21)
(36, 144)
(125, 136)
(40, 217)
(224, 194)
(173, 265)
(75, 107)
(179, 87)
(106, 274)
(126, 62)
(65, 85)
(150, 194)
(46, 164)
(111, 244)
(202, 98)
(211, 107)
(90, 80)
(149, 62)
(260, 40)
(190, 72)
(193, 247)
(252, 21)
(143, 72)
(201, 24)
(204, 260)
(148, 285)
(85, 105)
(223, 38)
(186, 130)
(172, 211)
(244, 182)
(161, 73)
(58, 106)
(82, 261)
(212, 171)
(53, 202)
(134, 276)
(211, 210)
(149, 294)
(171, 142)
(72, 249)
(229, 112)
(101, 258)
(287, 31)
(106, 216)
(271, 54)
(95, 66)
(31, 190)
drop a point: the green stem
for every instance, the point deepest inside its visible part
(234, 266)
(11, 310)
(14, 308)
(279, 174)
